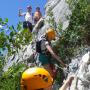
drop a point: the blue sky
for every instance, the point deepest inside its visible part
(9, 8)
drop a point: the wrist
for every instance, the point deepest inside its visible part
(64, 86)
(66, 83)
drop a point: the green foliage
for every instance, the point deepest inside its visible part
(51, 20)
(77, 35)
(11, 40)
(2, 39)
(73, 39)
(3, 22)
(16, 38)
(2, 61)
(10, 80)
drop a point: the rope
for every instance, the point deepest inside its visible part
(66, 71)
(84, 81)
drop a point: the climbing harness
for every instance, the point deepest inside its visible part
(64, 69)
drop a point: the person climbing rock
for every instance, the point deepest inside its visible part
(37, 15)
(28, 23)
(45, 51)
(37, 78)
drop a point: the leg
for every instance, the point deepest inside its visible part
(48, 68)
(30, 26)
(25, 24)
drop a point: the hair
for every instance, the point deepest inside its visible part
(40, 89)
(38, 8)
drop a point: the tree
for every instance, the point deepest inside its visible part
(12, 39)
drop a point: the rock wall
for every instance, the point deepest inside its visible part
(26, 52)
(80, 66)
(60, 11)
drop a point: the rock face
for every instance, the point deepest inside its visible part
(60, 11)
(80, 67)
(27, 51)
(23, 56)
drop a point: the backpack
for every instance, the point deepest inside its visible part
(40, 46)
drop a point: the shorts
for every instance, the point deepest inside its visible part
(44, 59)
(27, 24)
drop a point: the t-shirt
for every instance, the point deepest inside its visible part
(28, 17)
(42, 45)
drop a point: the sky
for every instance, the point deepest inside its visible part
(9, 9)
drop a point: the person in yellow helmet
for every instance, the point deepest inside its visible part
(37, 15)
(37, 78)
(44, 48)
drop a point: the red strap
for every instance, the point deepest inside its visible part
(54, 70)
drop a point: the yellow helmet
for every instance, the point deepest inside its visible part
(35, 78)
(50, 33)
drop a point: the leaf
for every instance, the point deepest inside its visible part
(12, 27)
(19, 26)
(4, 23)
(0, 19)
(12, 33)
(6, 20)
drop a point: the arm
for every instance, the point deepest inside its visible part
(20, 13)
(67, 83)
(49, 48)
(40, 14)
(37, 26)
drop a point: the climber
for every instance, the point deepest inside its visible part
(37, 78)
(37, 15)
(28, 23)
(43, 47)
